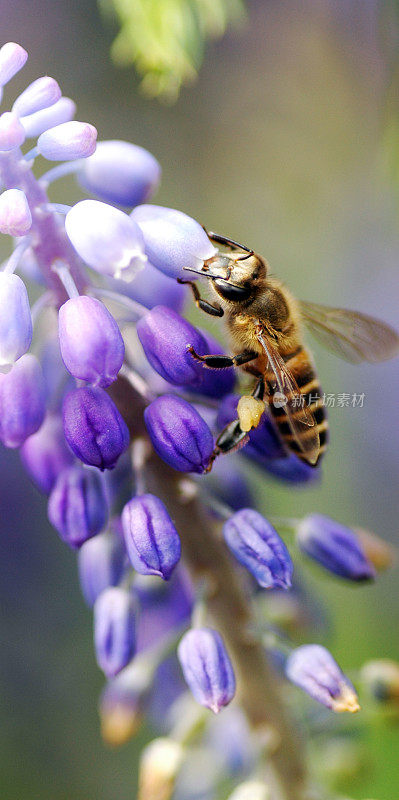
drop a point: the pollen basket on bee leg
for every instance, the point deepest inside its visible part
(249, 412)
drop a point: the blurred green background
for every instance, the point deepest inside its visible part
(278, 144)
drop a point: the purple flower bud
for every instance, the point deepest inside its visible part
(29, 267)
(290, 469)
(42, 93)
(172, 239)
(68, 141)
(151, 288)
(56, 380)
(165, 337)
(22, 401)
(151, 539)
(62, 111)
(121, 173)
(335, 547)
(228, 483)
(313, 668)
(45, 454)
(91, 344)
(77, 505)
(114, 630)
(12, 134)
(15, 319)
(101, 563)
(179, 434)
(15, 216)
(12, 59)
(259, 548)
(207, 668)
(106, 239)
(214, 383)
(94, 428)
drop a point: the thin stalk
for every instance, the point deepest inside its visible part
(229, 611)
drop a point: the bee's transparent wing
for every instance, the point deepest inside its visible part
(299, 417)
(350, 335)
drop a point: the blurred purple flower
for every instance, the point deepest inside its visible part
(207, 668)
(335, 547)
(259, 548)
(77, 505)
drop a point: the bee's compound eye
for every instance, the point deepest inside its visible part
(232, 292)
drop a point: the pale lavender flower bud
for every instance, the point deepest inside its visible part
(335, 547)
(12, 59)
(42, 93)
(101, 563)
(94, 428)
(12, 134)
(114, 630)
(68, 141)
(151, 288)
(106, 239)
(15, 216)
(77, 505)
(207, 668)
(172, 239)
(121, 173)
(22, 401)
(151, 539)
(91, 343)
(313, 668)
(15, 319)
(45, 454)
(62, 111)
(179, 434)
(259, 548)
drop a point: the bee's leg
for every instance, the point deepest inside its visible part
(210, 308)
(260, 388)
(230, 439)
(233, 437)
(223, 362)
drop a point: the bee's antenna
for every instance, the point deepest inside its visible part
(200, 272)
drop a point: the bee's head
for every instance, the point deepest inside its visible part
(235, 278)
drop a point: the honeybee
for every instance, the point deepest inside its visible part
(265, 323)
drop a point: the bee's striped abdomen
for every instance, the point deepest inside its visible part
(299, 363)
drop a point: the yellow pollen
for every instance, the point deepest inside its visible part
(346, 701)
(249, 411)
